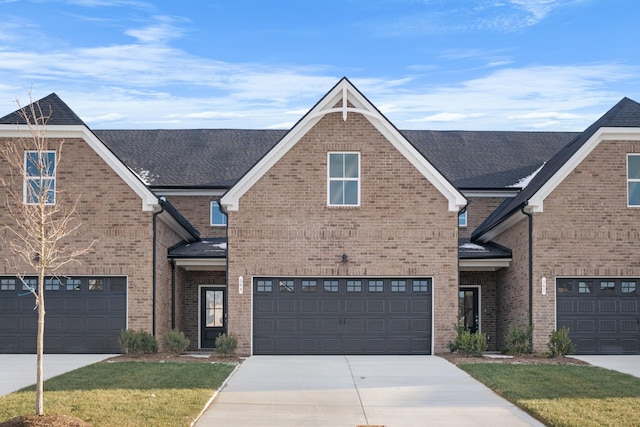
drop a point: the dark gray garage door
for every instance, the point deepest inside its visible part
(603, 315)
(341, 316)
(83, 315)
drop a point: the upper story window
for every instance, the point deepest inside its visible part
(344, 179)
(633, 179)
(217, 217)
(40, 177)
(462, 219)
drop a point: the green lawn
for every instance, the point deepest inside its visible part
(126, 393)
(565, 395)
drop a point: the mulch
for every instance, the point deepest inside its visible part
(525, 359)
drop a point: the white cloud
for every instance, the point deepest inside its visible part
(448, 117)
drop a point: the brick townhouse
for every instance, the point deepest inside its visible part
(342, 235)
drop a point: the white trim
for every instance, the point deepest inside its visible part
(344, 92)
(630, 180)
(490, 193)
(492, 264)
(188, 192)
(202, 264)
(605, 133)
(515, 218)
(149, 200)
(358, 180)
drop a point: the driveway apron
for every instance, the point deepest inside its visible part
(19, 370)
(357, 391)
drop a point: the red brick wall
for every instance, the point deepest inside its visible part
(402, 228)
(111, 214)
(586, 229)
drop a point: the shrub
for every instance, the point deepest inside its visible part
(519, 340)
(175, 342)
(560, 344)
(226, 345)
(137, 342)
(473, 344)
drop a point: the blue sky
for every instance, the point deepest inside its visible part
(426, 64)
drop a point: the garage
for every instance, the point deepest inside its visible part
(603, 315)
(342, 315)
(83, 314)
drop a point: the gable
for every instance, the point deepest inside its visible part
(344, 99)
(622, 122)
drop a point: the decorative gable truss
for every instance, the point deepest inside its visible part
(344, 98)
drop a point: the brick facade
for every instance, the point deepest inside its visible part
(285, 228)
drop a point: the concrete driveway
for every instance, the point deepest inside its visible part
(628, 364)
(19, 370)
(357, 391)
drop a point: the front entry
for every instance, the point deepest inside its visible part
(469, 308)
(212, 315)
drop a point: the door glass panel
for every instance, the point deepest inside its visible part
(214, 315)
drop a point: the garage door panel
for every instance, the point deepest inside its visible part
(612, 326)
(342, 316)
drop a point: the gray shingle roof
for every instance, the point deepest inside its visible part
(59, 113)
(489, 250)
(212, 158)
(625, 113)
(217, 158)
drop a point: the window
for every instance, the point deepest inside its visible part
(462, 219)
(96, 285)
(628, 287)
(309, 286)
(331, 286)
(344, 179)
(7, 284)
(29, 284)
(285, 286)
(264, 286)
(398, 286)
(607, 286)
(376, 286)
(420, 286)
(51, 284)
(633, 179)
(218, 219)
(73, 284)
(40, 177)
(354, 286)
(584, 287)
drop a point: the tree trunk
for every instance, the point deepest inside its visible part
(40, 348)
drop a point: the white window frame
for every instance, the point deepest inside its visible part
(343, 179)
(216, 203)
(462, 219)
(630, 180)
(29, 179)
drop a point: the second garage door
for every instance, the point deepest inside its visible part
(342, 316)
(603, 315)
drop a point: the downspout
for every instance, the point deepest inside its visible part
(173, 293)
(161, 201)
(226, 261)
(530, 266)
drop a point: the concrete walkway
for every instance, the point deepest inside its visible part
(628, 364)
(288, 391)
(18, 371)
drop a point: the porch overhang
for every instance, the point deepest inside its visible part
(474, 256)
(207, 254)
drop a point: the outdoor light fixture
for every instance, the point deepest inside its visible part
(36, 257)
(345, 258)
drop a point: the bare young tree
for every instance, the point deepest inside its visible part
(40, 217)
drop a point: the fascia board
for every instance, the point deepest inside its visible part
(512, 220)
(536, 202)
(344, 91)
(173, 224)
(188, 192)
(490, 193)
(149, 200)
(489, 264)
